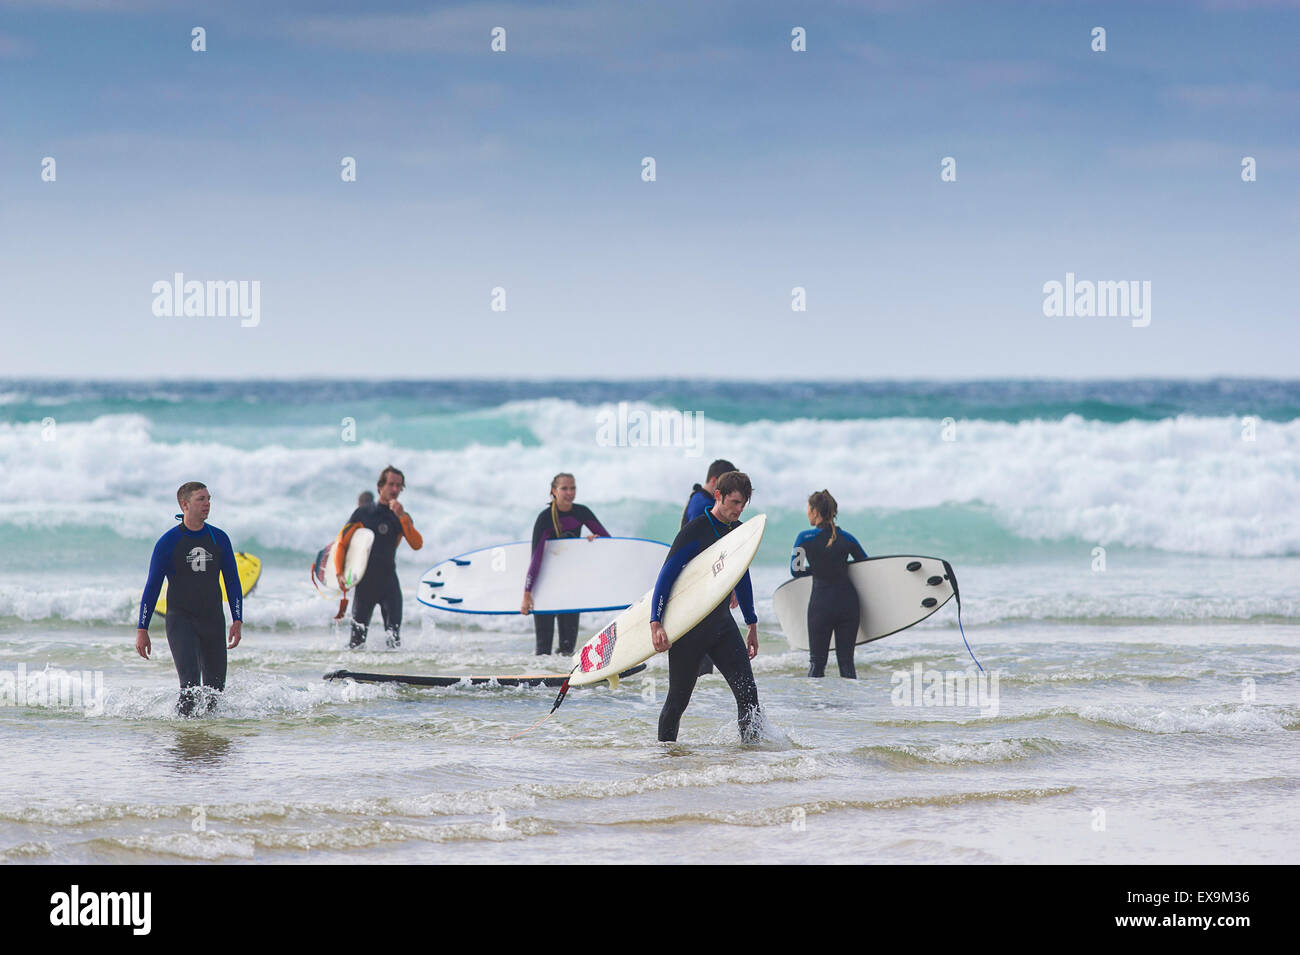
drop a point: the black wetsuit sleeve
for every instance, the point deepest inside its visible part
(589, 520)
(745, 597)
(854, 547)
(684, 548)
(541, 526)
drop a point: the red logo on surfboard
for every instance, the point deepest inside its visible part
(596, 654)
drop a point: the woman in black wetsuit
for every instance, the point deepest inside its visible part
(824, 553)
(562, 519)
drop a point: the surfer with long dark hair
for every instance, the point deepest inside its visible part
(824, 553)
(561, 519)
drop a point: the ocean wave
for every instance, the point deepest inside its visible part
(1184, 485)
(956, 754)
(1220, 718)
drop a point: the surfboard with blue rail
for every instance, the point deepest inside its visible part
(576, 576)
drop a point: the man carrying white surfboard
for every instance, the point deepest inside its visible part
(716, 635)
(190, 556)
(379, 586)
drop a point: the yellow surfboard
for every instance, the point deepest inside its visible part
(250, 569)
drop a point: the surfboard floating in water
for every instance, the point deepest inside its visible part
(505, 679)
(576, 576)
(894, 593)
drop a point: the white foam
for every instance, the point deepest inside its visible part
(1188, 484)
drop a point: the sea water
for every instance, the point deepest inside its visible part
(1128, 555)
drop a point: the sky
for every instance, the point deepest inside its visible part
(775, 169)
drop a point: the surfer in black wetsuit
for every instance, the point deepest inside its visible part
(379, 586)
(701, 500)
(562, 519)
(717, 634)
(824, 554)
(190, 556)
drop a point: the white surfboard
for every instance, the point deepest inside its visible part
(354, 562)
(576, 576)
(704, 583)
(894, 593)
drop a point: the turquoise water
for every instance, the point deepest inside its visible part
(1128, 552)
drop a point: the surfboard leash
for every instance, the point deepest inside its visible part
(559, 698)
(957, 593)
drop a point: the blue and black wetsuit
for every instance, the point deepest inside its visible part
(699, 502)
(557, 525)
(716, 635)
(379, 584)
(196, 626)
(833, 604)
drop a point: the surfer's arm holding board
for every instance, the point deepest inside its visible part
(589, 521)
(679, 555)
(543, 531)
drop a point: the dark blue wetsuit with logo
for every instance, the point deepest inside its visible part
(833, 605)
(196, 626)
(379, 585)
(716, 635)
(699, 502)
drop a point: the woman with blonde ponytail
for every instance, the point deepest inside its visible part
(562, 518)
(824, 554)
